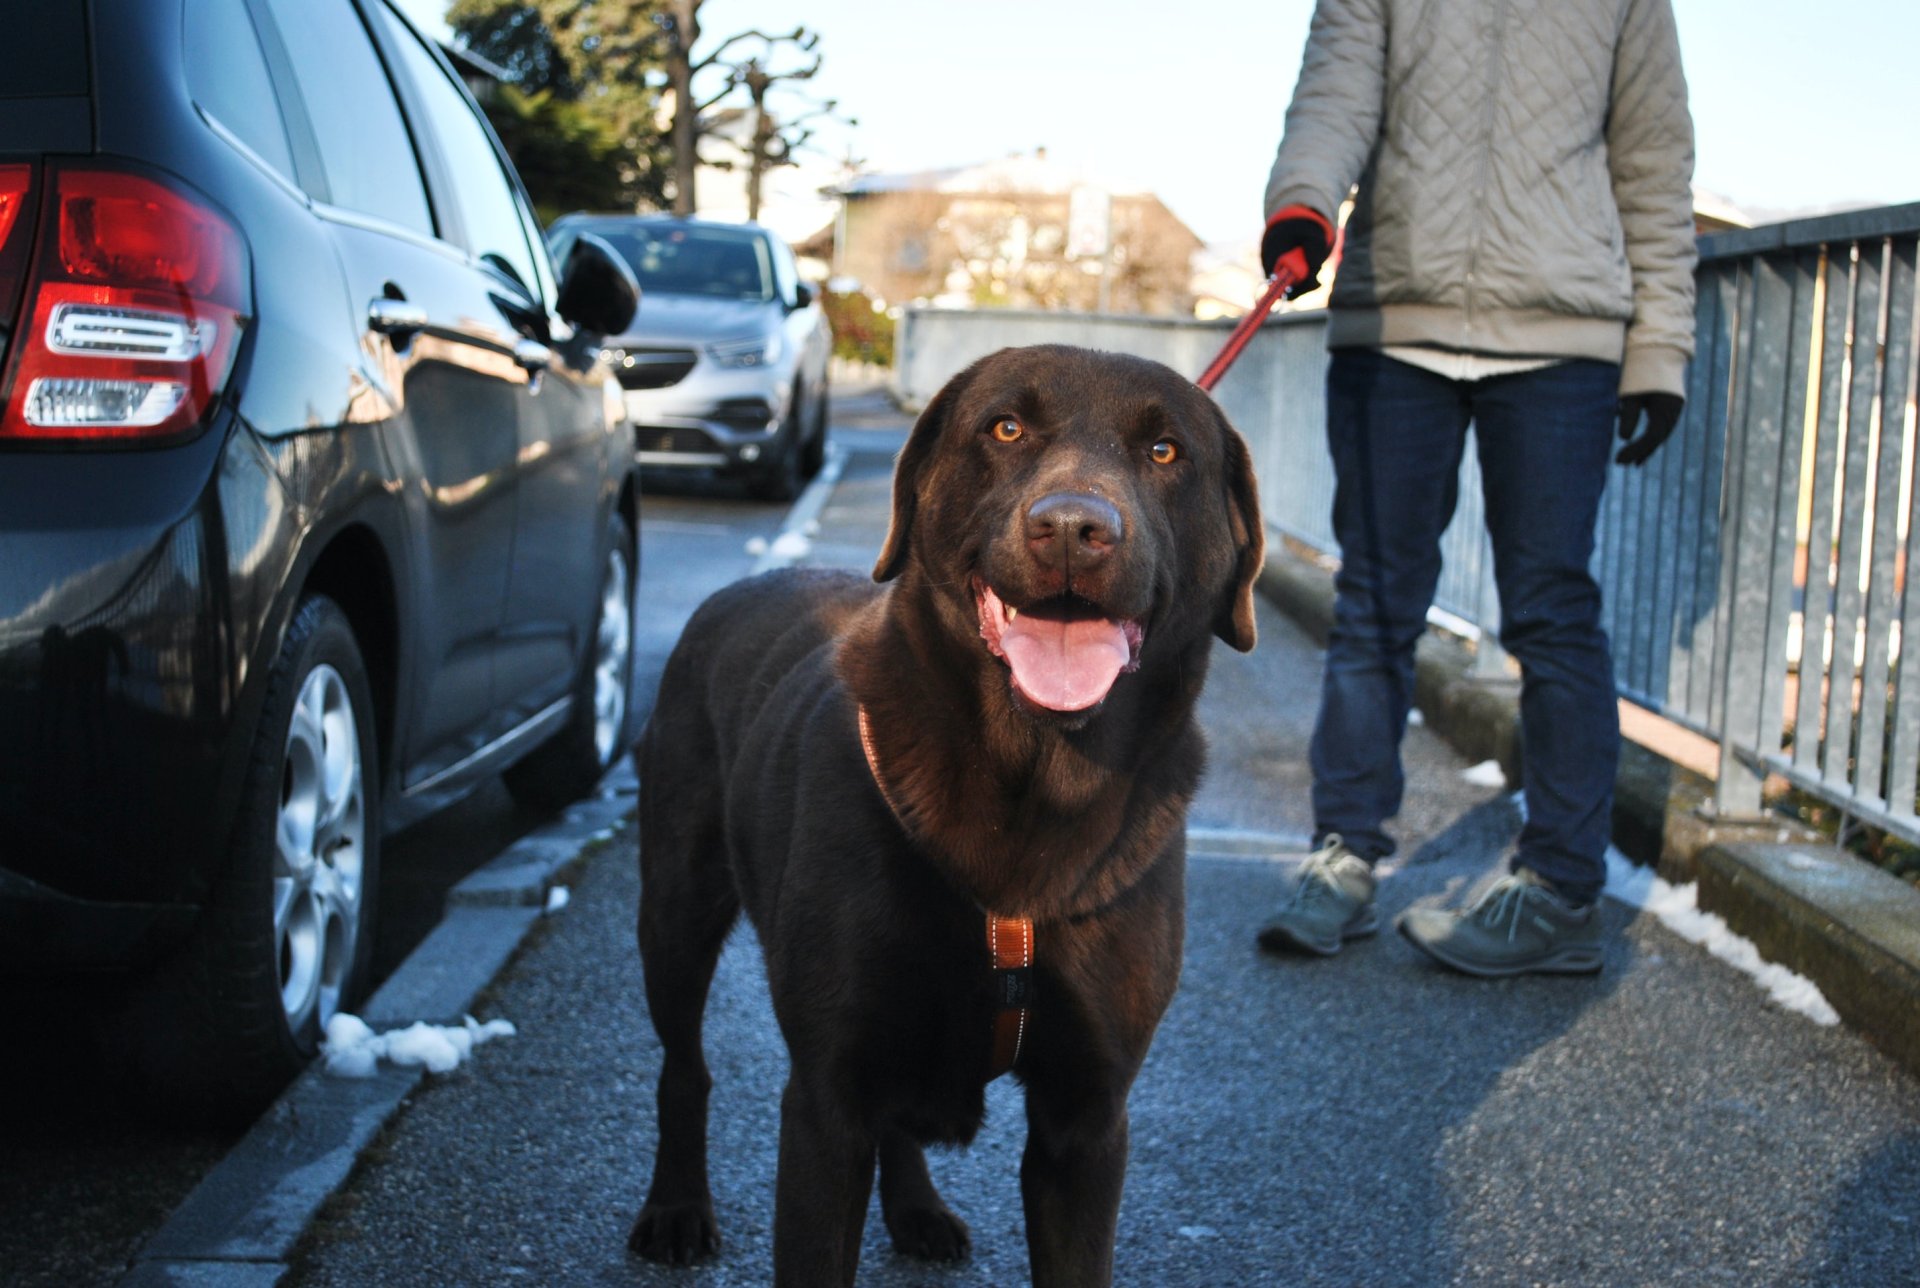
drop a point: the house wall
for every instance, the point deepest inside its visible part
(1008, 250)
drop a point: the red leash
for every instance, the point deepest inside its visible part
(1278, 285)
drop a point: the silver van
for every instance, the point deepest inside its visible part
(725, 366)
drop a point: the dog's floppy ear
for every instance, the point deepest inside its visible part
(907, 470)
(1235, 621)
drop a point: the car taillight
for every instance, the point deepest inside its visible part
(16, 190)
(132, 314)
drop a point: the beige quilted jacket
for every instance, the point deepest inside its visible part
(1524, 171)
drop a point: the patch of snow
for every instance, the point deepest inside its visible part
(1485, 774)
(353, 1050)
(790, 545)
(1678, 908)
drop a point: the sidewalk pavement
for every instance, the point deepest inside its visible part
(1851, 928)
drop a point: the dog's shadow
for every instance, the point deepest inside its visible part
(748, 1063)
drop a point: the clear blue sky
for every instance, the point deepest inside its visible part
(1797, 103)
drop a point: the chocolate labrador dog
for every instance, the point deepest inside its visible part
(953, 806)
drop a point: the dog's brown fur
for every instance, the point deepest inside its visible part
(755, 793)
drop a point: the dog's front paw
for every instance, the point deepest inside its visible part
(675, 1234)
(931, 1232)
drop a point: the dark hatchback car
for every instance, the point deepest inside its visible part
(316, 504)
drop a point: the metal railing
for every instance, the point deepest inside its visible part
(1754, 571)
(1758, 575)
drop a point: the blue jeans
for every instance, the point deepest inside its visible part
(1396, 432)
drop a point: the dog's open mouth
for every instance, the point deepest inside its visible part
(1064, 652)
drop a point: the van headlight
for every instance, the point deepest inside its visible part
(760, 351)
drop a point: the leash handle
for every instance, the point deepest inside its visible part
(1278, 285)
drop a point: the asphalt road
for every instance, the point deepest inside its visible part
(88, 1169)
(1362, 1120)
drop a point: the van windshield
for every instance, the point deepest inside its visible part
(720, 262)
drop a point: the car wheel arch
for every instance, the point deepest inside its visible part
(353, 569)
(351, 561)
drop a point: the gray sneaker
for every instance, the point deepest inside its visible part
(1519, 925)
(1332, 904)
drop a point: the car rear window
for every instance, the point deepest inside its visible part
(227, 75)
(694, 261)
(44, 54)
(363, 139)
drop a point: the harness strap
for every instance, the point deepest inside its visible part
(1009, 947)
(1010, 942)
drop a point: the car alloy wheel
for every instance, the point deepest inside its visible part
(613, 657)
(285, 936)
(569, 765)
(320, 850)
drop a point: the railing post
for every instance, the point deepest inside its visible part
(1759, 501)
(1737, 792)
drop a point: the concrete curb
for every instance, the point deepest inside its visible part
(1843, 923)
(241, 1223)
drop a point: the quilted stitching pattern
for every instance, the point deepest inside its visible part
(1495, 174)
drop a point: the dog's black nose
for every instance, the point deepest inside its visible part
(1076, 527)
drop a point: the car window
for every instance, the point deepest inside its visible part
(490, 220)
(227, 76)
(676, 259)
(785, 275)
(364, 145)
(543, 262)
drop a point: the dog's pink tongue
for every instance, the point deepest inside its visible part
(1064, 666)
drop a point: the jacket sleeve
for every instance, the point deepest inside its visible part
(1335, 114)
(1650, 150)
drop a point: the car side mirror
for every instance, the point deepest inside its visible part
(802, 295)
(598, 292)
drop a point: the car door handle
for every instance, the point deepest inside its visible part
(532, 355)
(395, 317)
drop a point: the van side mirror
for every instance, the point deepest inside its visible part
(802, 295)
(598, 292)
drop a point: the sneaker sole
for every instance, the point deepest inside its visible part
(1278, 938)
(1570, 961)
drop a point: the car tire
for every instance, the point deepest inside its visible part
(570, 765)
(286, 936)
(782, 477)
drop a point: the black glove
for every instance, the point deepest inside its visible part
(1301, 238)
(1662, 412)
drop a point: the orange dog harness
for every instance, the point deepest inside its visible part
(1009, 946)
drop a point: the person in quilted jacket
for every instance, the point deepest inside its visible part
(1519, 257)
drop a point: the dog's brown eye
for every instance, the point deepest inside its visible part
(1008, 430)
(1164, 452)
